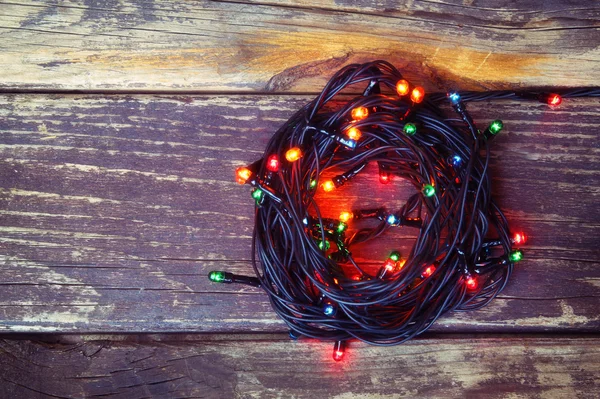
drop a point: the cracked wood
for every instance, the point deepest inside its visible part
(246, 367)
(293, 45)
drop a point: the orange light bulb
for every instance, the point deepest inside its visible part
(353, 133)
(359, 113)
(417, 94)
(328, 186)
(293, 154)
(243, 174)
(402, 87)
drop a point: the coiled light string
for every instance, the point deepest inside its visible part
(304, 262)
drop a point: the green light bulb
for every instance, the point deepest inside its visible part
(313, 183)
(216, 277)
(395, 256)
(341, 227)
(410, 129)
(515, 255)
(325, 246)
(496, 126)
(428, 190)
(257, 194)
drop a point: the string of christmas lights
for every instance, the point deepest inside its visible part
(304, 262)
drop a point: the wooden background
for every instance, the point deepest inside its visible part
(121, 124)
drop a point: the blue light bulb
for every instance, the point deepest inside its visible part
(392, 219)
(329, 310)
(454, 97)
(456, 160)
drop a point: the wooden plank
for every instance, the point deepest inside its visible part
(273, 367)
(294, 46)
(114, 208)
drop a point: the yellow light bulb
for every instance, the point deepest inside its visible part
(328, 186)
(346, 216)
(293, 154)
(402, 87)
(353, 133)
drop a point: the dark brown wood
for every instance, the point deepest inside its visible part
(275, 367)
(293, 46)
(114, 208)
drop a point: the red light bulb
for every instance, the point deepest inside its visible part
(554, 99)
(338, 356)
(471, 283)
(339, 348)
(429, 271)
(389, 265)
(273, 163)
(519, 238)
(384, 177)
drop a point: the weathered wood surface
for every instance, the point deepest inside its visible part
(295, 45)
(114, 208)
(274, 367)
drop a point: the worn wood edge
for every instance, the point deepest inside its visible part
(267, 47)
(149, 338)
(471, 367)
(498, 15)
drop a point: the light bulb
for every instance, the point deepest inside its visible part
(293, 154)
(273, 163)
(402, 87)
(359, 113)
(243, 174)
(417, 94)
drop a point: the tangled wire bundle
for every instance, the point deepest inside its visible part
(304, 261)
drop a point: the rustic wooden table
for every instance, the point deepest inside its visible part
(121, 124)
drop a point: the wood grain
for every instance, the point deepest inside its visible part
(293, 46)
(273, 367)
(114, 208)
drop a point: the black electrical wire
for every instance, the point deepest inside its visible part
(304, 262)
